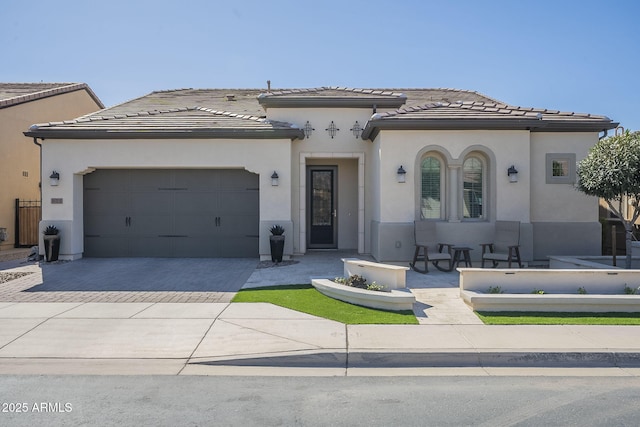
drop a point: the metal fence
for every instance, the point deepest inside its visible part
(28, 216)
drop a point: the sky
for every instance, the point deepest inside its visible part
(568, 55)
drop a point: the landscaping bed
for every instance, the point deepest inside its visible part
(394, 300)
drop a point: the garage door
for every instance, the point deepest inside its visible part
(171, 213)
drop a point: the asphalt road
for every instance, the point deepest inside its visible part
(348, 401)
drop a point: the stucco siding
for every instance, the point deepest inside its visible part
(507, 201)
(74, 158)
(395, 242)
(20, 154)
(559, 202)
(566, 238)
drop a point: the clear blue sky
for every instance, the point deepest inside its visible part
(571, 55)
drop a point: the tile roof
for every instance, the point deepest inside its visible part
(485, 115)
(185, 122)
(481, 110)
(19, 93)
(223, 110)
(245, 101)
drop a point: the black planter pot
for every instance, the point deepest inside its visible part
(51, 247)
(277, 248)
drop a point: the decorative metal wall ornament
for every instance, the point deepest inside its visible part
(308, 129)
(332, 129)
(356, 129)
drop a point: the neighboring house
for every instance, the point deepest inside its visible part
(22, 104)
(192, 173)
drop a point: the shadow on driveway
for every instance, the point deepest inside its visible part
(146, 275)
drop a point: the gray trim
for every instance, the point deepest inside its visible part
(53, 133)
(570, 178)
(373, 127)
(311, 101)
(566, 238)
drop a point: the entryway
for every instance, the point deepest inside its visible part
(323, 230)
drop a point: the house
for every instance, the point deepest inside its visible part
(22, 104)
(206, 173)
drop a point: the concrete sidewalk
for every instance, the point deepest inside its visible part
(262, 339)
(76, 328)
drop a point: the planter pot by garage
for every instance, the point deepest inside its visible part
(277, 248)
(51, 247)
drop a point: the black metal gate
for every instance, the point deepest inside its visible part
(28, 216)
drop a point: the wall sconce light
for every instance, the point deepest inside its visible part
(332, 129)
(401, 174)
(512, 173)
(308, 129)
(356, 129)
(54, 178)
(274, 179)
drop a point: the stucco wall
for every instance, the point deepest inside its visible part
(559, 202)
(565, 221)
(392, 228)
(74, 158)
(19, 153)
(344, 150)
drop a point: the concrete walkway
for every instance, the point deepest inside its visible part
(263, 339)
(147, 336)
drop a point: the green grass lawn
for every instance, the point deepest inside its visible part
(307, 299)
(544, 318)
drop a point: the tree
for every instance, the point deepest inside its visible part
(611, 171)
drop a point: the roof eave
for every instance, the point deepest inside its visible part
(331, 102)
(72, 87)
(51, 133)
(373, 127)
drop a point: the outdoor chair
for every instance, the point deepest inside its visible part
(434, 252)
(505, 246)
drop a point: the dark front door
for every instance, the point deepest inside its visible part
(322, 206)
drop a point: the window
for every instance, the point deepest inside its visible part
(473, 188)
(560, 168)
(431, 188)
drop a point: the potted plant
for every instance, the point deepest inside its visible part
(51, 243)
(276, 240)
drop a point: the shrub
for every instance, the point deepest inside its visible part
(582, 291)
(277, 230)
(375, 287)
(630, 291)
(51, 230)
(495, 290)
(357, 281)
(538, 292)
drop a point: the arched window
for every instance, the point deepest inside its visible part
(473, 188)
(431, 188)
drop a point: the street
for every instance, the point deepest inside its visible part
(352, 401)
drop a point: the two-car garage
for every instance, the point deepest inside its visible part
(171, 213)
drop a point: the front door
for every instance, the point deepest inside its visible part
(322, 207)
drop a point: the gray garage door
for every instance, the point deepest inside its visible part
(171, 213)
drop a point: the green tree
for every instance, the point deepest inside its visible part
(611, 171)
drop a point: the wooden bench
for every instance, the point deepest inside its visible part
(391, 276)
